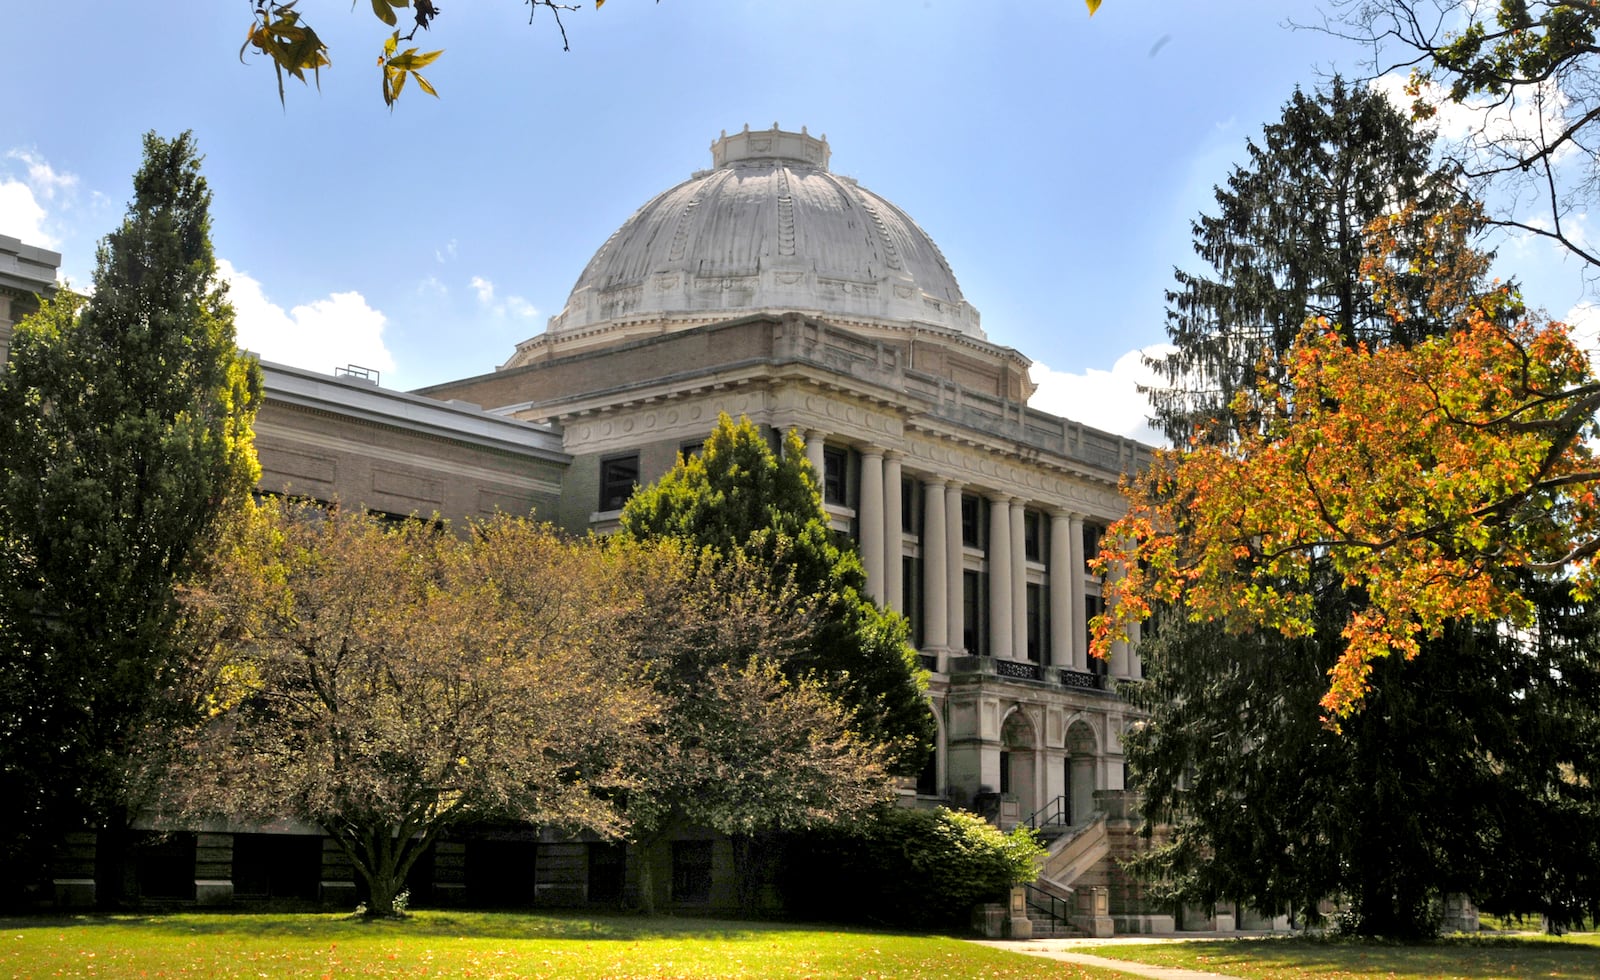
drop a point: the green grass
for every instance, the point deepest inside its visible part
(1574, 956)
(482, 945)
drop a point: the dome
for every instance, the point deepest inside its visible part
(768, 228)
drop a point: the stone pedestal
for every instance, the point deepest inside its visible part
(1094, 912)
(1460, 915)
(1020, 926)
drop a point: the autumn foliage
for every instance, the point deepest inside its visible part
(1424, 476)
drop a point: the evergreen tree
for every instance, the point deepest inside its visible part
(738, 495)
(125, 430)
(1287, 244)
(1456, 755)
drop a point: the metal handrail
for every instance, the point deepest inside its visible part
(1056, 813)
(1042, 901)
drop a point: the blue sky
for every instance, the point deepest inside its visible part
(1057, 160)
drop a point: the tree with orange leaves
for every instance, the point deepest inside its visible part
(1366, 675)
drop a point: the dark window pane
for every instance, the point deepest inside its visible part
(618, 476)
(691, 871)
(835, 462)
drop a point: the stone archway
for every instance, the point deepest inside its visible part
(1082, 750)
(1020, 778)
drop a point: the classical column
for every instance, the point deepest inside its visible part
(894, 542)
(1074, 583)
(953, 562)
(869, 523)
(1019, 581)
(1000, 627)
(814, 454)
(935, 577)
(1063, 628)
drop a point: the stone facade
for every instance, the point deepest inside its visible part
(974, 514)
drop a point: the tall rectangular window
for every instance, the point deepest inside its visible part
(691, 871)
(1038, 636)
(910, 507)
(911, 596)
(974, 634)
(835, 464)
(1092, 605)
(618, 476)
(1033, 536)
(974, 521)
(1092, 533)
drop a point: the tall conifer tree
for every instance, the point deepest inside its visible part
(125, 429)
(1286, 244)
(1434, 786)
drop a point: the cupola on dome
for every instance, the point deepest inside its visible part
(768, 228)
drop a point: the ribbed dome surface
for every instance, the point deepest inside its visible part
(769, 228)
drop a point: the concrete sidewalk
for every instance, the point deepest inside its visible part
(1062, 951)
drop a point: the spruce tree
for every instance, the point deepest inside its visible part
(1434, 786)
(125, 430)
(1286, 245)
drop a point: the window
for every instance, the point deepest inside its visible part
(1038, 627)
(835, 463)
(690, 450)
(911, 596)
(974, 518)
(1005, 772)
(691, 871)
(928, 779)
(973, 634)
(607, 866)
(1033, 536)
(1091, 542)
(910, 507)
(618, 476)
(1092, 607)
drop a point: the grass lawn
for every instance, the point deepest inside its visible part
(1573, 956)
(480, 945)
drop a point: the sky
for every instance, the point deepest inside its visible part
(1058, 160)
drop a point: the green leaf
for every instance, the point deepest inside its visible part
(1093, 6)
(384, 12)
(423, 84)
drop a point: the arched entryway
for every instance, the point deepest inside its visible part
(1020, 782)
(1082, 748)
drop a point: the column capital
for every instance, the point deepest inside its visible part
(894, 454)
(998, 497)
(870, 452)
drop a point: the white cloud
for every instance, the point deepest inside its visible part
(21, 215)
(41, 176)
(24, 198)
(1108, 400)
(512, 306)
(1584, 321)
(331, 332)
(442, 255)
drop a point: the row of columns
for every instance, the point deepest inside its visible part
(879, 522)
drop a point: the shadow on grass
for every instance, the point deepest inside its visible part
(431, 923)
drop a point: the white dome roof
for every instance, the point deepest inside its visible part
(768, 228)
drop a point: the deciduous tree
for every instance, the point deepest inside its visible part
(1523, 77)
(125, 429)
(740, 747)
(744, 501)
(280, 33)
(1398, 483)
(387, 682)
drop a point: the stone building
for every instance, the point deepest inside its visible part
(770, 287)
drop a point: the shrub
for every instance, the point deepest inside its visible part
(913, 868)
